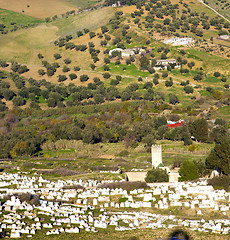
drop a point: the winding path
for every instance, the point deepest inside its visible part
(201, 1)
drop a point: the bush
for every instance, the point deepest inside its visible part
(84, 78)
(188, 89)
(216, 74)
(221, 182)
(168, 83)
(72, 76)
(188, 171)
(123, 153)
(41, 72)
(65, 69)
(57, 56)
(165, 74)
(61, 78)
(106, 75)
(114, 82)
(18, 101)
(157, 175)
(67, 61)
(173, 99)
(155, 81)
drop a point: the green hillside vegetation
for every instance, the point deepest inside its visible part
(223, 7)
(60, 73)
(83, 3)
(70, 109)
(11, 21)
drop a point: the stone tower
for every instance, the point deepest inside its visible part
(156, 155)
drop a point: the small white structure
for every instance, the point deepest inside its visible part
(179, 41)
(124, 52)
(165, 62)
(224, 37)
(156, 155)
(116, 4)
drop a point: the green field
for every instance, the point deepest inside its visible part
(11, 19)
(91, 20)
(83, 3)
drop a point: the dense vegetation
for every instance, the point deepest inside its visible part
(83, 92)
(156, 175)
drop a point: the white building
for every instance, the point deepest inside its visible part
(179, 41)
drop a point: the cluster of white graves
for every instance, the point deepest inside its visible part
(62, 209)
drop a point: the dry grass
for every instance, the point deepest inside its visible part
(24, 45)
(39, 9)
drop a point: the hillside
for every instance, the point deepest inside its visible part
(87, 87)
(65, 62)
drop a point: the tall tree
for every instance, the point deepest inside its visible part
(199, 129)
(188, 171)
(219, 157)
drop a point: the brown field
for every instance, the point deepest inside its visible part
(38, 8)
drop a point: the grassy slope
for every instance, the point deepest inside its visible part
(211, 62)
(24, 45)
(39, 9)
(220, 7)
(83, 3)
(7, 17)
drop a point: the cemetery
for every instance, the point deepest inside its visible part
(89, 207)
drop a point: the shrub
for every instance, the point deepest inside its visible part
(61, 78)
(57, 56)
(72, 76)
(114, 82)
(18, 101)
(188, 89)
(173, 99)
(188, 171)
(168, 83)
(123, 153)
(164, 74)
(67, 61)
(106, 75)
(216, 74)
(221, 182)
(65, 69)
(76, 69)
(41, 72)
(155, 81)
(157, 175)
(84, 78)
